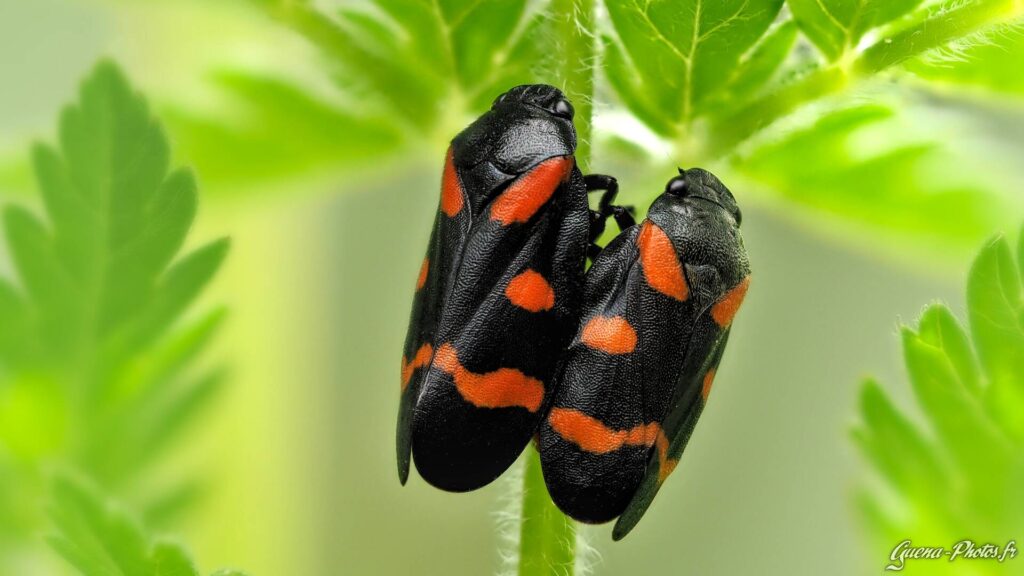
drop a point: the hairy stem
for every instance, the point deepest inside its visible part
(939, 29)
(547, 539)
(574, 24)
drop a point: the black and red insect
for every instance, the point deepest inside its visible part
(658, 305)
(499, 292)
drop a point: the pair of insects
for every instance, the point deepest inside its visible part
(511, 337)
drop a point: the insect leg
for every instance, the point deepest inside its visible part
(610, 186)
(624, 216)
(606, 209)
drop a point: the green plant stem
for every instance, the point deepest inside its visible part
(547, 539)
(574, 24)
(937, 30)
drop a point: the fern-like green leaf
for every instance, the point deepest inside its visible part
(100, 282)
(907, 186)
(267, 129)
(421, 62)
(957, 473)
(101, 539)
(96, 355)
(681, 54)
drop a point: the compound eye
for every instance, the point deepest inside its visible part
(563, 109)
(677, 186)
(499, 99)
(738, 216)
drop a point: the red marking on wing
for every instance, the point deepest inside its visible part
(451, 188)
(660, 263)
(420, 360)
(725, 309)
(424, 270)
(611, 334)
(592, 436)
(705, 390)
(502, 388)
(530, 291)
(529, 192)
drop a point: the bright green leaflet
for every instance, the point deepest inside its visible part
(954, 476)
(98, 359)
(101, 287)
(683, 52)
(836, 177)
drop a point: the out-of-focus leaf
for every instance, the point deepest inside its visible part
(836, 26)
(989, 60)
(683, 53)
(33, 417)
(958, 474)
(100, 539)
(957, 417)
(15, 325)
(172, 502)
(632, 88)
(896, 447)
(996, 307)
(117, 217)
(94, 369)
(424, 62)
(893, 187)
(939, 329)
(757, 67)
(940, 24)
(15, 174)
(267, 129)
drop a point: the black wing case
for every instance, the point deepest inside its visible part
(708, 347)
(447, 241)
(618, 378)
(718, 274)
(508, 313)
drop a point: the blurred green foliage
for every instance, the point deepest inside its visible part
(673, 58)
(101, 539)
(714, 81)
(878, 187)
(958, 473)
(837, 27)
(279, 130)
(988, 61)
(99, 366)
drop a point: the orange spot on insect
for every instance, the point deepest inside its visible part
(705, 390)
(611, 334)
(725, 309)
(420, 360)
(665, 464)
(502, 388)
(591, 435)
(530, 291)
(424, 270)
(660, 263)
(529, 192)
(451, 189)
